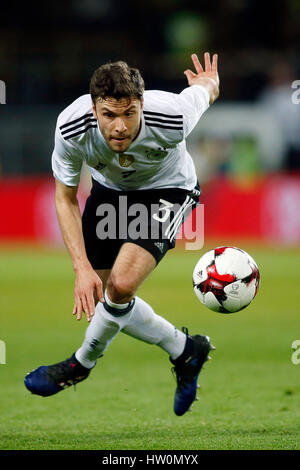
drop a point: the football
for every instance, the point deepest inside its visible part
(226, 279)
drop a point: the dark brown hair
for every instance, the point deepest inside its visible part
(116, 80)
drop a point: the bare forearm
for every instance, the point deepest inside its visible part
(87, 282)
(69, 217)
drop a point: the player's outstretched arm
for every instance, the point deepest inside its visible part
(207, 77)
(86, 280)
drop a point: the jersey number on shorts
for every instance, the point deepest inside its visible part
(166, 208)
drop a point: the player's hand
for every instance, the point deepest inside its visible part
(87, 283)
(208, 77)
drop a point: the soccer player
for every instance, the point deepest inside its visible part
(133, 142)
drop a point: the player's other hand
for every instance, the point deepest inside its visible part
(88, 286)
(207, 77)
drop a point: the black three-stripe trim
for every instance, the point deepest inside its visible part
(67, 131)
(69, 127)
(89, 115)
(163, 121)
(82, 131)
(170, 116)
(153, 119)
(149, 124)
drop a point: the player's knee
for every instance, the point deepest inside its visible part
(120, 289)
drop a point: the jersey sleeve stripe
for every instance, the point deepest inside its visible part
(175, 128)
(66, 131)
(170, 116)
(76, 120)
(82, 131)
(163, 121)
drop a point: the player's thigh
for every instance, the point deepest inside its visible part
(131, 267)
(104, 275)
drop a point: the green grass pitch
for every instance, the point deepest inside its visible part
(250, 392)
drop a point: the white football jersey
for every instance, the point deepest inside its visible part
(157, 158)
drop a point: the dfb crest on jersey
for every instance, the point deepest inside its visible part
(126, 160)
(156, 154)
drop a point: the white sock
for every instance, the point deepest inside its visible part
(101, 331)
(141, 322)
(145, 325)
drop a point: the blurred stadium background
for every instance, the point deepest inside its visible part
(247, 146)
(246, 149)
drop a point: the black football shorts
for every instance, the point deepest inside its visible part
(148, 218)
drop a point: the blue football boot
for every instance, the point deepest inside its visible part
(187, 369)
(48, 380)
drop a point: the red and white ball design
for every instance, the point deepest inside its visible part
(226, 279)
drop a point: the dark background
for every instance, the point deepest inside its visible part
(49, 50)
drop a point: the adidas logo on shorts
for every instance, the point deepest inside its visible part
(160, 246)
